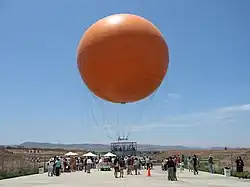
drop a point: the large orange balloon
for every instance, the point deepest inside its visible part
(122, 58)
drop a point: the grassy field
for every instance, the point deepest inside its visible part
(222, 158)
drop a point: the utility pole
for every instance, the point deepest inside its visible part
(231, 155)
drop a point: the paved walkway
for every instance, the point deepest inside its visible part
(106, 179)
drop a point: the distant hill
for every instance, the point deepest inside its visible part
(94, 147)
(102, 147)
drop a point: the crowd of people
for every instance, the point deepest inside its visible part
(131, 164)
(58, 165)
(170, 164)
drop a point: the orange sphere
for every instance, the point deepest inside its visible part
(122, 58)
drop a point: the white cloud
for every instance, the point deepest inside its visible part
(174, 95)
(218, 116)
(236, 108)
(159, 125)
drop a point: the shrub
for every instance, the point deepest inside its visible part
(18, 173)
(241, 175)
(217, 170)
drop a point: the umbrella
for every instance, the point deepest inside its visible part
(71, 154)
(110, 155)
(90, 154)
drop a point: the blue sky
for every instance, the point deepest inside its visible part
(204, 100)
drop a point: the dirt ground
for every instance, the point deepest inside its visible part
(16, 158)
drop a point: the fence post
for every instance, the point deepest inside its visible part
(3, 162)
(12, 164)
(231, 156)
(44, 162)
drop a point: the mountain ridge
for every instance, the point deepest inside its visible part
(102, 147)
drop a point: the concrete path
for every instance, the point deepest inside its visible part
(106, 179)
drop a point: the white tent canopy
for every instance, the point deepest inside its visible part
(90, 154)
(71, 154)
(110, 155)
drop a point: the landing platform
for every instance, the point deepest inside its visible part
(106, 179)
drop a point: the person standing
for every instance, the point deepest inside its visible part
(239, 165)
(89, 164)
(164, 164)
(178, 161)
(210, 164)
(77, 164)
(148, 163)
(136, 165)
(100, 163)
(85, 165)
(143, 163)
(171, 167)
(58, 167)
(62, 164)
(50, 168)
(195, 165)
(130, 166)
(54, 166)
(183, 158)
(189, 163)
(122, 165)
(116, 167)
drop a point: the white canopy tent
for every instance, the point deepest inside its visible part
(71, 154)
(89, 154)
(109, 155)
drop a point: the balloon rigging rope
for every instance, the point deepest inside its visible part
(105, 121)
(147, 106)
(96, 122)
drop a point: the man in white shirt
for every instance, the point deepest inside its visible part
(89, 164)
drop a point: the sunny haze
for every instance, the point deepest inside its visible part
(203, 101)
